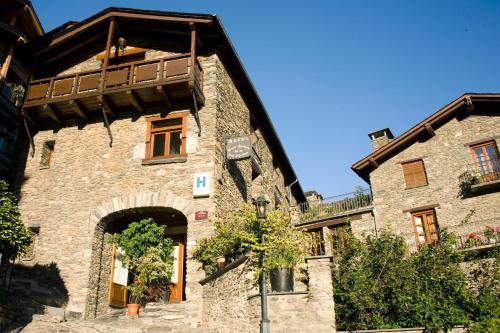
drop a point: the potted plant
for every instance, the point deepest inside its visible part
(283, 248)
(147, 253)
(137, 291)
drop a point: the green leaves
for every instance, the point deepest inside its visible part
(377, 284)
(14, 238)
(283, 245)
(147, 254)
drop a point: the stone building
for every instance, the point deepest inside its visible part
(443, 173)
(130, 113)
(18, 26)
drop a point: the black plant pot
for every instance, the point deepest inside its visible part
(281, 279)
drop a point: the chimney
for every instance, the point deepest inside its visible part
(380, 138)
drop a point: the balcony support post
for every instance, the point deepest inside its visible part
(193, 49)
(10, 52)
(109, 41)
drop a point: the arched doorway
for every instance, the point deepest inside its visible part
(103, 290)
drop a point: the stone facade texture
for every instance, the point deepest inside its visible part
(445, 157)
(89, 183)
(231, 302)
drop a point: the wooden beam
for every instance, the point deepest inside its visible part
(164, 96)
(60, 55)
(468, 104)
(105, 104)
(78, 29)
(429, 129)
(29, 119)
(109, 41)
(134, 100)
(193, 48)
(373, 163)
(47, 108)
(75, 106)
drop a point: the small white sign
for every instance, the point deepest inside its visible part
(201, 184)
(175, 273)
(120, 272)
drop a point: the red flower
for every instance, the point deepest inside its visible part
(473, 235)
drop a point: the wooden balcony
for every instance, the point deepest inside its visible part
(138, 85)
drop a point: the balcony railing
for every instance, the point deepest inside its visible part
(117, 78)
(11, 92)
(478, 234)
(484, 174)
(332, 206)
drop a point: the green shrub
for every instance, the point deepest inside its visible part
(14, 238)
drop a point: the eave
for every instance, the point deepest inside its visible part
(364, 166)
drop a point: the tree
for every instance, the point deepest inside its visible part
(14, 238)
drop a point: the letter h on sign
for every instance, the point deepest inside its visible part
(201, 184)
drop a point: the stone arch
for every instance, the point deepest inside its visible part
(138, 199)
(101, 217)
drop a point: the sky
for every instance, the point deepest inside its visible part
(329, 72)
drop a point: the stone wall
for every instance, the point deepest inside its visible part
(88, 180)
(231, 302)
(86, 173)
(445, 156)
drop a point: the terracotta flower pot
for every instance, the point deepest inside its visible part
(133, 309)
(221, 262)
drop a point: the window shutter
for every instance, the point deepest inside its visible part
(414, 173)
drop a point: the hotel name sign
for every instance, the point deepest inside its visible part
(238, 148)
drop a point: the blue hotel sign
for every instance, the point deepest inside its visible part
(201, 184)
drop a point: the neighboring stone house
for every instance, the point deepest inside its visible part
(442, 173)
(18, 26)
(130, 112)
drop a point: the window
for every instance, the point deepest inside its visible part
(414, 173)
(486, 161)
(47, 154)
(166, 136)
(425, 227)
(3, 144)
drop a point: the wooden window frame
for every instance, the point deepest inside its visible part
(427, 234)
(153, 131)
(414, 185)
(483, 146)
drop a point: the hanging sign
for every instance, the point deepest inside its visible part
(238, 148)
(201, 184)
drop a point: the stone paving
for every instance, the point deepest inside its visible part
(152, 319)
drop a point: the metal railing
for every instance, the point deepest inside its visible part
(484, 171)
(310, 211)
(477, 233)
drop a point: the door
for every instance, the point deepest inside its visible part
(176, 286)
(425, 226)
(118, 280)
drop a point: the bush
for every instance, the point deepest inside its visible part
(14, 238)
(378, 285)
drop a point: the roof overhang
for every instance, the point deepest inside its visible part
(464, 104)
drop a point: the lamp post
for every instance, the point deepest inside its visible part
(261, 213)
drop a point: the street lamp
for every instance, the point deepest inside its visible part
(261, 213)
(261, 207)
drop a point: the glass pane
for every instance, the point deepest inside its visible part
(159, 145)
(175, 143)
(167, 123)
(3, 144)
(418, 220)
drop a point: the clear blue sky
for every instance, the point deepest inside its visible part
(329, 72)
